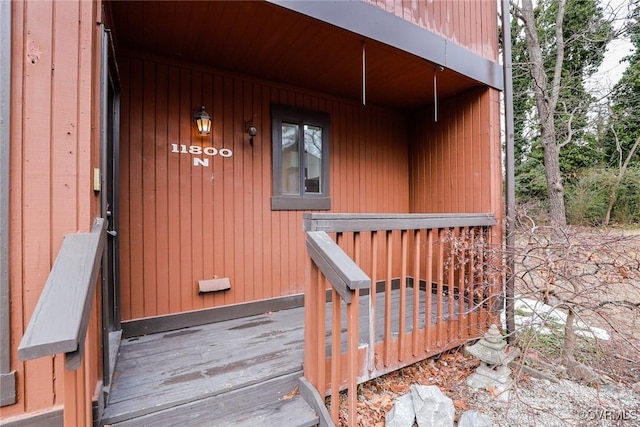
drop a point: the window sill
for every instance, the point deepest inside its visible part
(282, 203)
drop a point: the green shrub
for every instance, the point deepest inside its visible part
(587, 198)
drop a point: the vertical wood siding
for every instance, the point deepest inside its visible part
(455, 162)
(52, 146)
(181, 223)
(470, 23)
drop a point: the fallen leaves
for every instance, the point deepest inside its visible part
(461, 404)
(291, 395)
(376, 397)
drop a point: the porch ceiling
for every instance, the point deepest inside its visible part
(271, 42)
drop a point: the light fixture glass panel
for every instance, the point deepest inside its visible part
(203, 121)
(313, 179)
(290, 158)
(204, 126)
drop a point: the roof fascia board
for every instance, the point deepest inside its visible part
(374, 23)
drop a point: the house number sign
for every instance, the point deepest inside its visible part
(196, 150)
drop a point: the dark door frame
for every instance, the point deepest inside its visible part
(109, 192)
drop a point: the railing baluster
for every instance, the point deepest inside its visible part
(452, 328)
(311, 321)
(481, 279)
(471, 287)
(387, 300)
(352, 380)
(402, 311)
(463, 331)
(353, 317)
(321, 313)
(429, 293)
(416, 292)
(440, 286)
(372, 301)
(336, 354)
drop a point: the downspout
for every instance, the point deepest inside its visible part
(509, 173)
(7, 377)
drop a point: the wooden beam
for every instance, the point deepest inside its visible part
(343, 273)
(381, 222)
(61, 317)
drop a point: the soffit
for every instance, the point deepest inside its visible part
(271, 42)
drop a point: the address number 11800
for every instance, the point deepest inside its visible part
(197, 150)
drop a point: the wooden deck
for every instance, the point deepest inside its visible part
(239, 372)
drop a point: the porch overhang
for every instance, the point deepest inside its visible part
(317, 45)
(374, 23)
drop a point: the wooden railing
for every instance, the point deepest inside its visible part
(385, 291)
(61, 317)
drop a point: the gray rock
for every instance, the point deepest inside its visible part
(402, 414)
(474, 418)
(433, 409)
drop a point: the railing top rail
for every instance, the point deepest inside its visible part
(343, 273)
(61, 316)
(338, 222)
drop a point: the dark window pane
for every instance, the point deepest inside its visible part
(290, 159)
(312, 159)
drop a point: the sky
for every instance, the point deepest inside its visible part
(612, 68)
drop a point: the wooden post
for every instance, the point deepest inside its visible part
(452, 324)
(336, 355)
(311, 324)
(372, 301)
(440, 279)
(352, 351)
(416, 292)
(429, 300)
(402, 310)
(387, 300)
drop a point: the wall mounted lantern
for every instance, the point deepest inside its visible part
(203, 121)
(251, 130)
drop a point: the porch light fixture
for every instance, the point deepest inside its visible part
(203, 121)
(251, 130)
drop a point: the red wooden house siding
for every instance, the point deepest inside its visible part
(54, 148)
(181, 223)
(469, 23)
(456, 161)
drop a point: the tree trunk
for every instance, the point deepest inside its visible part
(546, 97)
(569, 344)
(555, 189)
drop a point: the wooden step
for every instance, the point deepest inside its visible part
(292, 412)
(162, 371)
(275, 402)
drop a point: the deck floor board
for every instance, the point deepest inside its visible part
(163, 370)
(160, 371)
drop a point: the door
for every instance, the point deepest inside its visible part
(110, 96)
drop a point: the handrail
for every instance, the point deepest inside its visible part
(332, 222)
(343, 274)
(60, 319)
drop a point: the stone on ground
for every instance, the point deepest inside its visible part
(474, 418)
(433, 409)
(402, 414)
